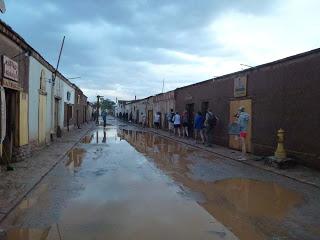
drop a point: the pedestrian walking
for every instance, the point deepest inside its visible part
(185, 123)
(198, 127)
(209, 124)
(104, 118)
(157, 120)
(243, 122)
(170, 120)
(177, 123)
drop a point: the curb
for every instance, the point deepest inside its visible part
(43, 176)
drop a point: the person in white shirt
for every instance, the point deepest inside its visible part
(157, 120)
(177, 123)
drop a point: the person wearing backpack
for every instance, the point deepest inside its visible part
(210, 123)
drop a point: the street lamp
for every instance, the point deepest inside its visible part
(98, 105)
(2, 6)
(245, 65)
(26, 53)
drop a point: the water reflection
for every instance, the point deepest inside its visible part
(75, 158)
(252, 209)
(102, 135)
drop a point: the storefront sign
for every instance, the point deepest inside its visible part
(10, 69)
(240, 86)
(11, 84)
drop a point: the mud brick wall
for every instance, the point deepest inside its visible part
(284, 94)
(81, 107)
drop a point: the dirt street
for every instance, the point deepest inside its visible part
(122, 183)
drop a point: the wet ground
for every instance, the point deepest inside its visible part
(121, 183)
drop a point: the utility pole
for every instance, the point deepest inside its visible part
(162, 85)
(98, 106)
(54, 75)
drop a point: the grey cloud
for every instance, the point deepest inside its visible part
(109, 41)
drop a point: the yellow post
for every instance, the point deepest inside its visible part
(280, 152)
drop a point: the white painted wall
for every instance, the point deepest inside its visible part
(35, 69)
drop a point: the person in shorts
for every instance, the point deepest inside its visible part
(157, 120)
(243, 122)
(198, 127)
(185, 123)
(177, 123)
(170, 120)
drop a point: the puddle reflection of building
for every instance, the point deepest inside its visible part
(75, 158)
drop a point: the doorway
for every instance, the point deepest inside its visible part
(12, 122)
(137, 116)
(150, 118)
(234, 141)
(204, 107)
(190, 111)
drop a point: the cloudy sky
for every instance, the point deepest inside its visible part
(123, 48)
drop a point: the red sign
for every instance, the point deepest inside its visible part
(10, 69)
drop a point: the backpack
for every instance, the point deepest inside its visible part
(212, 120)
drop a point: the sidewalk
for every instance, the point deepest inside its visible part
(299, 173)
(15, 185)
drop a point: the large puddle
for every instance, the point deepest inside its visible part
(172, 192)
(251, 209)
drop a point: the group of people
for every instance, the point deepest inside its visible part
(203, 125)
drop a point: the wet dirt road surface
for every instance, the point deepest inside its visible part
(122, 183)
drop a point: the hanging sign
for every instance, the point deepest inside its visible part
(10, 69)
(10, 74)
(240, 86)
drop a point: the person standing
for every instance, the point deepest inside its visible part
(185, 123)
(104, 117)
(157, 120)
(198, 127)
(210, 123)
(177, 123)
(170, 120)
(243, 122)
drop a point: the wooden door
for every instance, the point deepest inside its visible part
(42, 119)
(191, 114)
(234, 141)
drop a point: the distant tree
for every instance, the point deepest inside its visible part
(107, 105)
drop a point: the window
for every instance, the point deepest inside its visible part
(68, 96)
(43, 81)
(78, 99)
(204, 107)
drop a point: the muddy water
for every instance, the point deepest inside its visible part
(112, 192)
(121, 184)
(250, 208)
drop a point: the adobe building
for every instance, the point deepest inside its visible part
(14, 69)
(281, 94)
(163, 103)
(80, 107)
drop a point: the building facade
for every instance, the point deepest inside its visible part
(280, 94)
(34, 98)
(163, 103)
